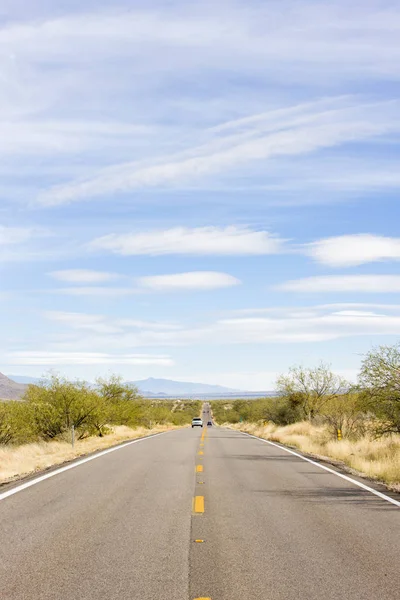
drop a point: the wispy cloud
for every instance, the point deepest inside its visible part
(323, 129)
(83, 276)
(196, 280)
(353, 250)
(229, 240)
(62, 72)
(15, 235)
(95, 290)
(83, 321)
(85, 358)
(378, 284)
(290, 325)
(102, 324)
(22, 243)
(174, 282)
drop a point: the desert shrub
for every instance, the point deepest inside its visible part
(57, 404)
(310, 388)
(346, 412)
(379, 384)
(278, 410)
(15, 423)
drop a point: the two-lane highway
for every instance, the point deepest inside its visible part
(198, 513)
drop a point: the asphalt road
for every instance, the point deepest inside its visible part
(124, 526)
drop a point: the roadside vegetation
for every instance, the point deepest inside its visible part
(36, 432)
(320, 413)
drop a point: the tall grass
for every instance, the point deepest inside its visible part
(378, 459)
(17, 461)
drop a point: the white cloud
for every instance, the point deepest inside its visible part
(352, 250)
(97, 291)
(94, 323)
(102, 324)
(50, 107)
(315, 325)
(20, 244)
(230, 240)
(379, 284)
(86, 358)
(313, 132)
(65, 136)
(331, 36)
(150, 325)
(289, 325)
(196, 280)
(14, 235)
(83, 276)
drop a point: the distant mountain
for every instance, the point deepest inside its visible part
(24, 379)
(167, 387)
(10, 390)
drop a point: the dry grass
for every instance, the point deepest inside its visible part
(378, 459)
(17, 461)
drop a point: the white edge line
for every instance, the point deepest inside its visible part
(358, 483)
(28, 484)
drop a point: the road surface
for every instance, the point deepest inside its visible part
(272, 527)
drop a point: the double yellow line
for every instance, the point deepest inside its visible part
(198, 501)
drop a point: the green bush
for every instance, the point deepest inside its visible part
(16, 424)
(57, 404)
(379, 384)
(278, 410)
(51, 408)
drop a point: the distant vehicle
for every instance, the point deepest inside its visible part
(209, 424)
(197, 422)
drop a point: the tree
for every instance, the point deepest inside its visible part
(122, 401)
(58, 404)
(379, 381)
(310, 388)
(347, 413)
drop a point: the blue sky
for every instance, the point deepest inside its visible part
(202, 191)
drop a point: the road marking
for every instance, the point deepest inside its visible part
(28, 484)
(201, 444)
(200, 453)
(358, 483)
(199, 541)
(202, 598)
(198, 505)
(199, 468)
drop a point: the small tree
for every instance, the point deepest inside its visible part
(347, 413)
(122, 401)
(310, 389)
(379, 381)
(57, 404)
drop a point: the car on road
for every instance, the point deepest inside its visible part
(197, 422)
(209, 424)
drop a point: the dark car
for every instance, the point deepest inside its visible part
(209, 424)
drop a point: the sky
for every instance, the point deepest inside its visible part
(196, 190)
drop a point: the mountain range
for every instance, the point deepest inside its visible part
(9, 389)
(14, 386)
(168, 387)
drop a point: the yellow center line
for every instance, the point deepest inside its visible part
(199, 468)
(198, 504)
(200, 452)
(202, 598)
